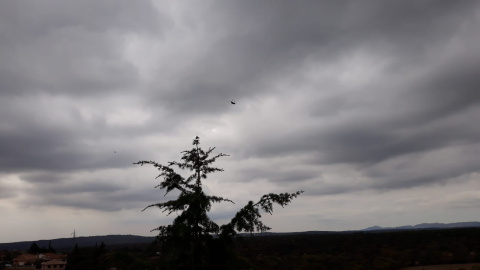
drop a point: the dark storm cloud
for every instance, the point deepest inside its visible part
(72, 50)
(448, 90)
(432, 106)
(44, 178)
(69, 48)
(437, 111)
(261, 42)
(106, 193)
(316, 189)
(279, 176)
(63, 69)
(30, 148)
(366, 145)
(435, 167)
(63, 183)
(256, 44)
(41, 143)
(103, 201)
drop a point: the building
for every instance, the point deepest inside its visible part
(52, 256)
(24, 259)
(53, 264)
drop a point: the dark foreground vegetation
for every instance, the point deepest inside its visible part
(343, 250)
(360, 250)
(356, 250)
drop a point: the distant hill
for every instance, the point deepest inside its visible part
(66, 244)
(471, 224)
(112, 241)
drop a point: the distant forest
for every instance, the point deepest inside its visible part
(342, 250)
(362, 250)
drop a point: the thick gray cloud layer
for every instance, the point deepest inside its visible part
(336, 98)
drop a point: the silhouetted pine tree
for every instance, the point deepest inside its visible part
(188, 241)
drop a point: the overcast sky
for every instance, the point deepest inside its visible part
(370, 107)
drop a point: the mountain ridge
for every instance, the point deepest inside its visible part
(436, 225)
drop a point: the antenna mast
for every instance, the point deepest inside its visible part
(74, 235)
